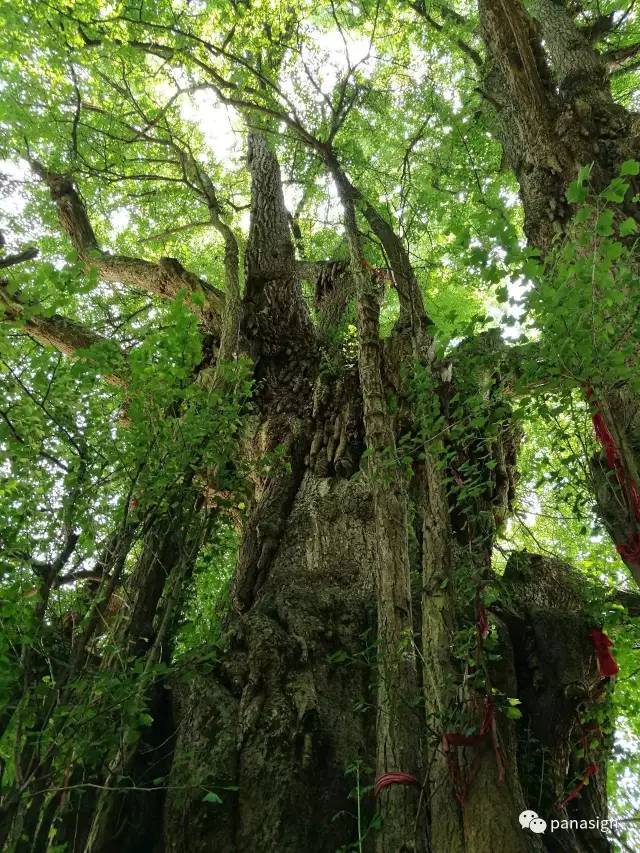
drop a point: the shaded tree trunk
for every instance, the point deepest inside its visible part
(549, 92)
(290, 709)
(316, 693)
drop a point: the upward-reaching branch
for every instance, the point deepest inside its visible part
(397, 745)
(230, 318)
(275, 315)
(412, 313)
(579, 70)
(166, 278)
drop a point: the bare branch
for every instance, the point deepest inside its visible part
(412, 313)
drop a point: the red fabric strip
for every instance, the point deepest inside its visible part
(458, 739)
(605, 438)
(607, 666)
(483, 622)
(393, 778)
(591, 770)
(630, 550)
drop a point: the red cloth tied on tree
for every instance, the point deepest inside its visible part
(591, 770)
(603, 434)
(393, 778)
(483, 622)
(630, 550)
(458, 739)
(634, 497)
(607, 666)
(449, 739)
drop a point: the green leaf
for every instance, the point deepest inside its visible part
(628, 226)
(604, 225)
(576, 193)
(513, 713)
(616, 190)
(630, 167)
(211, 797)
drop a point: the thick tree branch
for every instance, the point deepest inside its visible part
(578, 68)
(230, 316)
(509, 34)
(616, 59)
(396, 744)
(166, 278)
(65, 335)
(25, 255)
(412, 313)
(274, 309)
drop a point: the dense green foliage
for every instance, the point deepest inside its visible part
(127, 97)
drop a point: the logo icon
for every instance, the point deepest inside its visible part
(530, 820)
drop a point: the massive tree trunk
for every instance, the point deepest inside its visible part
(549, 92)
(351, 567)
(288, 716)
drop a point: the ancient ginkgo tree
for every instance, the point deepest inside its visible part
(266, 443)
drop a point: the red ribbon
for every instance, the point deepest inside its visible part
(591, 770)
(607, 666)
(449, 739)
(394, 778)
(603, 434)
(457, 739)
(483, 622)
(634, 497)
(629, 550)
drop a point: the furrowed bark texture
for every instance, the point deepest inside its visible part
(331, 534)
(554, 112)
(476, 794)
(315, 691)
(289, 709)
(275, 729)
(397, 739)
(558, 683)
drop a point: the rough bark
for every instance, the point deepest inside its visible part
(557, 679)
(397, 741)
(412, 313)
(290, 708)
(165, 279)
(318, 672)
(551, 98)
(67, 336)
(476, 793)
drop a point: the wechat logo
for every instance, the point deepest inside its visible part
(530, 820)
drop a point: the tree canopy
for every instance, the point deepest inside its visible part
(129, 377)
